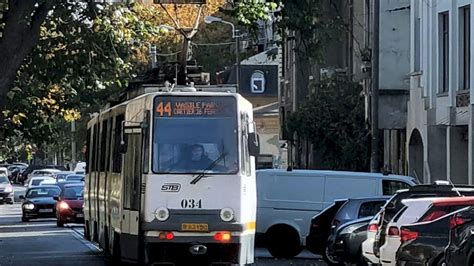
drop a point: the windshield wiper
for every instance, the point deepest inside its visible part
(210, 167)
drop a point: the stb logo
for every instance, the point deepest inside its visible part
(171, 187)
(257, 82)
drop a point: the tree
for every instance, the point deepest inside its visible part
(333, 120)
(21, 22)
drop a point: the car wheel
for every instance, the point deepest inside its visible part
(24, 219)
(60, 224)
(329, 259)
(283, 242)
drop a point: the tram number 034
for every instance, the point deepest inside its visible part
(191, 204)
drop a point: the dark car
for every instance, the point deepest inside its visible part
(320, 227)
(6, 190)
(423, 243)
(39, 202)
(344, 246)
(353, 209)
(460, 249)
(31, 168)
(69, 204)
(395, 204)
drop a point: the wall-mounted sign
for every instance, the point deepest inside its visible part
(257, 82)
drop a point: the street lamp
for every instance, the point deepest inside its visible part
(236, 36)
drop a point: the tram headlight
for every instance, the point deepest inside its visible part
(162, 214)
(227, 214)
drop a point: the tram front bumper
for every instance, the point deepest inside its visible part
(199, 247)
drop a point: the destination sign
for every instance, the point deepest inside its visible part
(196, 106)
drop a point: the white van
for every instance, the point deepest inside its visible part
(286, 201)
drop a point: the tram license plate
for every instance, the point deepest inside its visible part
(195, 227)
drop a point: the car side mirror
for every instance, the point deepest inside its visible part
(254, 144)
(56, 198)
(21, 197)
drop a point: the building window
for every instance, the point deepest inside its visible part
(444, 51)
(465, 49)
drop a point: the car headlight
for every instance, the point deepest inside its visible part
(227, 214)
(29, 206)
(350, 229)
(162, 214)
(8, 189)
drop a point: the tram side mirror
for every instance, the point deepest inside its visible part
(254, 144)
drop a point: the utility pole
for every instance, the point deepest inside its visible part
(374, 158)
(73, 143)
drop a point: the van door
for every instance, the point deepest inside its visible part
(340, 187)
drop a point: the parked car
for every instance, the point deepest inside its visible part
(319, 230)
(31, 168)
(36, 180)
(74, 178)
(61, 176)
(376, 235)
(460, 249)
(69, 204)
(423, 243)
(357, 208)
(344, 245)
(48, 181)
(7, 195)
(287, 200)
(4, 171)
(415, 210)
(39, 202)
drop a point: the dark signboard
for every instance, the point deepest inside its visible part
(255, 80)
(179, 106)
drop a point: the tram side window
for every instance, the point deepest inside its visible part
(103, 138)
(95, 148)
(88, 149)
(109, 145)
(245, 157)
(117, 157)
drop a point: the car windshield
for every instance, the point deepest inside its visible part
(36, 182)
(4, 180)
(73, 193)
(43, 192)
(74, 177)
(189, 135)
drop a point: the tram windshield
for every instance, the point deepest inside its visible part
(191, 133)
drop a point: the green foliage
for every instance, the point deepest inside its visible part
(247, 12)
(316, 22)
(333, 120)
(83, 57)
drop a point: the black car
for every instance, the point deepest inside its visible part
(460, 249)
(345, 245)
(395, 204)
(39, 202)
(31, 168)
(320, 227)
(423, 243)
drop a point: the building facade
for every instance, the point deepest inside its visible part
(350, 54)
(440, 115)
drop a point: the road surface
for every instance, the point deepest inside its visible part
(40, 242)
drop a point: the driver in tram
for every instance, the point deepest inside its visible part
(197, 160)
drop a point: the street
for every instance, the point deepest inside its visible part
(40, 242)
